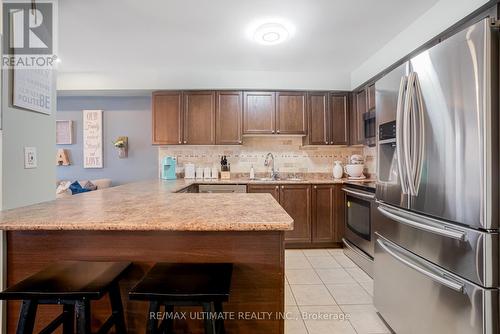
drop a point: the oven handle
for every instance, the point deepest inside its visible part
(438, 277)
(348, 244)
(426, 224)
(359, 193)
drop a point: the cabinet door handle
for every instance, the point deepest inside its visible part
(282, 187)
(180, 141)
(185, 141)
(315, 187)
(239, 141)
(326, 142)
(331, 142)
(277, 187)
(278, 131)
(273, 131)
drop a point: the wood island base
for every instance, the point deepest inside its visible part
(257, 289)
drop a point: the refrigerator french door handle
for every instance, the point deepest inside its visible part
(432, 226)
(436, 277)
(414, 153)
(419, 102)
(408, 135)
(400, 132)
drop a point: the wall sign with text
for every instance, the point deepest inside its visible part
(92, 139)
(33, 89)
(28, 49)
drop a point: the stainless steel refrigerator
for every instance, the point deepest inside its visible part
(436, 267)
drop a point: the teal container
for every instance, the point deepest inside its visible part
(168, 168)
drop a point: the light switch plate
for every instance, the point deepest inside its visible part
(30, 160)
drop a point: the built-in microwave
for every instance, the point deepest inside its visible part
(369, 127)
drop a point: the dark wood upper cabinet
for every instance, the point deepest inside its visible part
(328, 118)
(318, 111)
(371, 97)
(296, 200)
(265, 189)
(291, 114)
(229, 118)
(259, 112)
(199, 118)
(223, 117)
(323, 219)
(167, 118)
(339, 106)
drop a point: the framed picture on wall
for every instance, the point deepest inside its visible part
(92, 139)
(64, 132)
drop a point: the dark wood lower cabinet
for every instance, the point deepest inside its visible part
(317, 211)
(296, 200)
(323, 215)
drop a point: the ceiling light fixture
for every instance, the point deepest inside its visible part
(270, 34)
(270, 31)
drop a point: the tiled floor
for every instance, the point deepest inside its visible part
(326, 293)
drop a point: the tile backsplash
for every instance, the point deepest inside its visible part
(289, 154)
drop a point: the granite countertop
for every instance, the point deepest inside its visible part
(151, 206)
(155, 206)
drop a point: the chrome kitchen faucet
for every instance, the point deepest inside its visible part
(270, 162)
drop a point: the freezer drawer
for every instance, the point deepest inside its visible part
(469, 253)
(414, 296)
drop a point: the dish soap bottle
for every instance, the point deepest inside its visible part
(252, 173)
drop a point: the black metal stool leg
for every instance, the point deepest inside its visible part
(27, 317)
(69, 319)
(152, 328)
(82, 317)
(219, 322)
(117, 309)
(209, 321)
(169, 321)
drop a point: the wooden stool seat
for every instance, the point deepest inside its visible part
(185, 281)
(69, 279)
(185, 284)
(72, 284)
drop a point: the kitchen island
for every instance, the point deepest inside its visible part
(149, 222)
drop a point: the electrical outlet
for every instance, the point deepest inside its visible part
(30, 160)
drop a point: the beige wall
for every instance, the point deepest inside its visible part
(290, 155)
(23, 128)
(437, 19)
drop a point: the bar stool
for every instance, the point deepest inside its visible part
(185, 284)
(72, 284)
